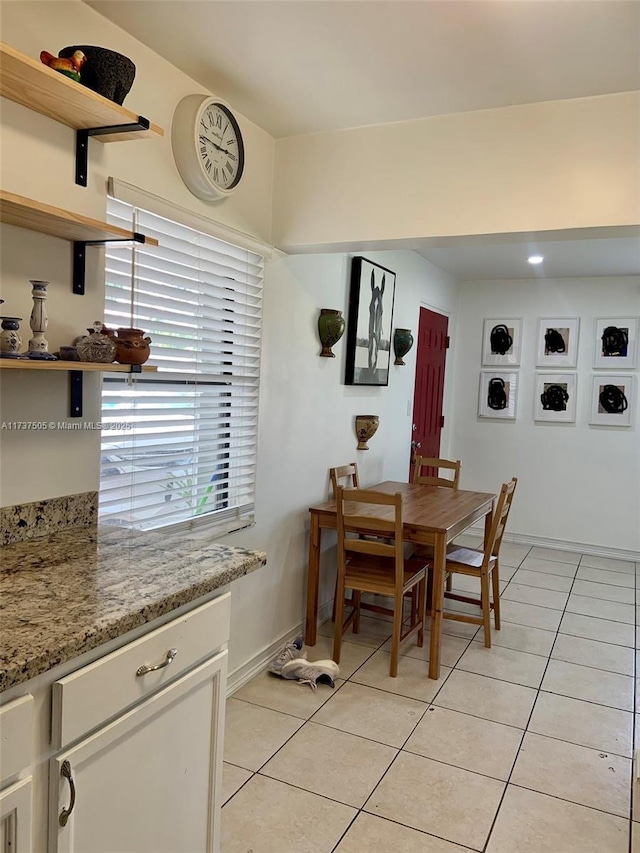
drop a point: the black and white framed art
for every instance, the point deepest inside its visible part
(555, 397)
(501, 341)
(616, 343)
(369, 324)
(558, 341)
(613, 399)
(498, 394)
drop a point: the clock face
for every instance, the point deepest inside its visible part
(220, 146)
(207, 147)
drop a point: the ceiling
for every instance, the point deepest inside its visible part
(307, 66)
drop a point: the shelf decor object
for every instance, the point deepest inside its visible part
(330, 330)
(366, 428)
(498, 394)
(555, 397)
(38, 345)
(501, 341)
(369, 325)
(558, 341)
(616, 343)
(10, 340)
(402, 343)
(613, 400)
(38, 87)
(79, 230)
(105, 71)
(132, 346)
(96, 347)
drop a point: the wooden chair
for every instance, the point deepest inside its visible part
(377, 565)
(349, 473)
(434, 479)
(482, 564)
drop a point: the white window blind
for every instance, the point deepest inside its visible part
(188, 451)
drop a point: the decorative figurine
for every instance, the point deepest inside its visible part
(10, 340)
(38, 345)
(69, 66)
(96, 346)
(106, 72)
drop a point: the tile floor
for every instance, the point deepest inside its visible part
(524, 748)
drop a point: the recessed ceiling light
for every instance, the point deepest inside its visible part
(536, 259)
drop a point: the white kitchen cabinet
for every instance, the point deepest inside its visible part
(149, 781)
(15, 818)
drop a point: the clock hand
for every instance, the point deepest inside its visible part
(206, 138)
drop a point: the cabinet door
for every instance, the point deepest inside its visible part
(149, 782)
(15, 818)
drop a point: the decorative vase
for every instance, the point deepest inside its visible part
(105, 71)
(10, 340)
(366, 428)
(402, 343)
(132, 346)
(96, 347)
(330, 329)
(38, 348)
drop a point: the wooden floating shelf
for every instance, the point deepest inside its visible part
(38, 87)
(84, 366)
(36, 216)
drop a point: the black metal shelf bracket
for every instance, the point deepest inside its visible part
(76, 385)
(80, 257)
(82, 143)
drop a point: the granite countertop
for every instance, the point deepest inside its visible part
(69, 592)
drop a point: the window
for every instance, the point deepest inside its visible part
(180, 445)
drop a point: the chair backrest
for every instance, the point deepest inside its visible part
(434, 478)
(356, 515)
(499, 520)
(349, 473)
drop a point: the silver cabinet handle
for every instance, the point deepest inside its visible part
(65, 771)
(145, 668)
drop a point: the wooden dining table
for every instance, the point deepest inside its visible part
(431, 515)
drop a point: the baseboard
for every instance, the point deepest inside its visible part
(562, 545)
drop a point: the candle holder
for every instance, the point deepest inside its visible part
(10, 340)
(38, 345)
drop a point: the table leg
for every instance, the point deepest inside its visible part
(313, 580)
(437, 605)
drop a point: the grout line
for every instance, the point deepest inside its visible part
(634, 745)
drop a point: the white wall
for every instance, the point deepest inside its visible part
(577, 483)
(554, 165)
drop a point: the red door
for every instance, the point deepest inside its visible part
(428, 394)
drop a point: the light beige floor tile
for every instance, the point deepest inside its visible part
(608, 564)
(412, 679)
(531, 615)
(488, 698)
(373, 632)
(285, 695)
(534, 564)
(505, 664)
(535, 595)
(450, 650)
(586, 606)
(267, 816)
(605, 591)
(555, 555)
(586, 573)
(637, 638)
(371, 834)
(512, 554)
(575, 773)
(375, 714)
(534, 823)
(592, 628)
(458, 629)
(352, 655)
(252, 734)
(592, 685)
(233, 778)
(583, 723)
(593, 653)
(465, 584)
(467, 540)
(331, 763)
(451, 803)
(542, 579)
(523, 639)
(506, 571)
(635, 837)
(465, 741)
(462, 607)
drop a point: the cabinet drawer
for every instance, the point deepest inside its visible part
(101, 690)
(16, 721)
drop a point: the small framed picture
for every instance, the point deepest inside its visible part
(612, 400)
(501, 341)
(555, 399)
(558, 341)
(616, 343)
(498, 395)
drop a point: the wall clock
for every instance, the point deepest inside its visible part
(207, 146)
